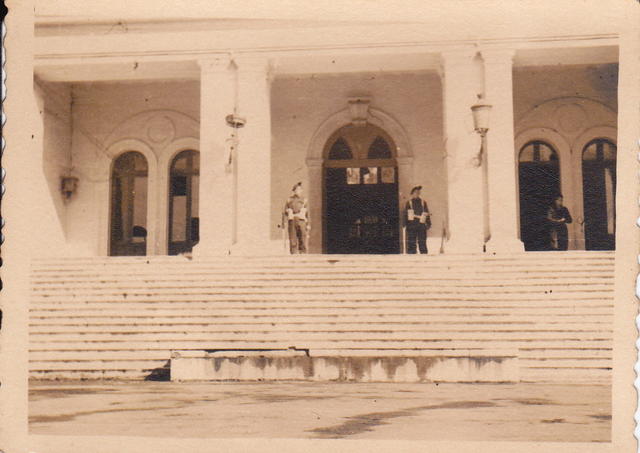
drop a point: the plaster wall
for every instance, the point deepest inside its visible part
(300, 105)
(156, 119)
(52, 139)
(98, 121)
(566, 107)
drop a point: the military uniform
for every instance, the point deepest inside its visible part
(296, 216)
(418, 221)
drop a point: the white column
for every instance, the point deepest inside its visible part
(254, 219)
(627, 213)
(464, 175)
(502, 168)
(217, 95)
(314, 189)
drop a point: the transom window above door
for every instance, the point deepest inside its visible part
(368, 145)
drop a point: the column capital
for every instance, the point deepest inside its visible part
(252, 63)
(214, 64)
(457, 57)
(498, 56)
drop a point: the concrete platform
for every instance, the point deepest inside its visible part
(320, 410)
(302, 366)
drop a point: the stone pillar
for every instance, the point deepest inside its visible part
(464, 175)
(217, 99)
(254, 220)
(502, 168)
(314, 194)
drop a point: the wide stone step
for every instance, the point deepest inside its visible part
(335, 326)
(98, 365)
(328, 297)
(84, 355)
(107, 321)
(128, 375)
(596, 376)
(302, 337)
(339, 282)
(164, 354)
(575, 358)
(259, 307)
(344, 345)
(522, 256)
(122, 317)
(309, 267)
(376, 287)
(564, 363)
(424, 311)
(480, 271)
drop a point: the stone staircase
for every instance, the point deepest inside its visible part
(120, 317)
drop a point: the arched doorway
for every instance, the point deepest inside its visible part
(599, 192)
(539, 182)
(184, 179)
(128, 226)
(361, 212)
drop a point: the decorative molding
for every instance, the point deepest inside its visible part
(550, 113)
(343, 118)
(359, 110)
(160, 129)
(155, 128)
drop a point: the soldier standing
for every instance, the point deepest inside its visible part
(296, 216)
(418, 221)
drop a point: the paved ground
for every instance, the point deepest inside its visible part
(521, 412)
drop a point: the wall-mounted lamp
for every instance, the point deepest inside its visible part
(480, 112)
(68, 186)
(236, 122)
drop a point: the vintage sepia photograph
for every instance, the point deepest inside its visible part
(349, 226)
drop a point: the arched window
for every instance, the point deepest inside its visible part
(128, 227)
(379, 149)
(340, 150)
(184, 178)
(537, 151)
(539, 182)
(599, 192)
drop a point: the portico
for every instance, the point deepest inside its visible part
(418, 97)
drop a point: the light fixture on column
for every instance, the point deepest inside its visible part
(234, 121)
(68, 186)
(480, 112)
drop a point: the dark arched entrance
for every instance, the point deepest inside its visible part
(184, 176)
(361, 212)
(128, 226)
(539, 182)
(599, 191)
